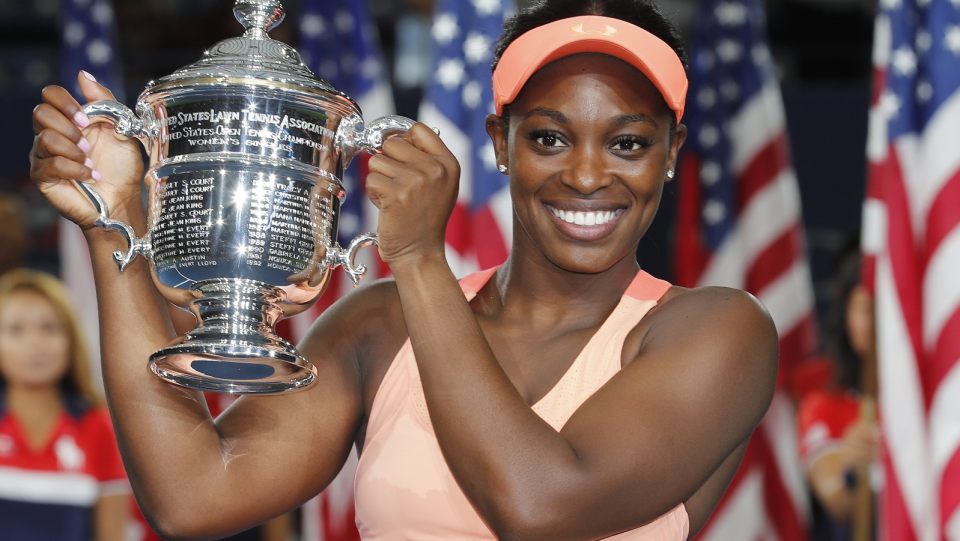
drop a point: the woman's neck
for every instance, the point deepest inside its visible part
(36, 408)
(533, 289)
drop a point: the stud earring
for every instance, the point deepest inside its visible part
(503, 169)
(670, 174)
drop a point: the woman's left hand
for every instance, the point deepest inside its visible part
(414, 183)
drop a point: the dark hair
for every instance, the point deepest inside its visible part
(846, 277)
(642, 13)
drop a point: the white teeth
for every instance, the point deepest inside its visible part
(585, 218)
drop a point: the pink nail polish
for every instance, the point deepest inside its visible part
(81, 119)
(84, 145)
(96, 176)
(88, 75)
(88, 163)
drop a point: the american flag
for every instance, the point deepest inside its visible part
(912, 246)
(89, 42)
(339, 42)
(457, 101)
(739, 225)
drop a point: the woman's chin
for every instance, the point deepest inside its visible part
(584, 260)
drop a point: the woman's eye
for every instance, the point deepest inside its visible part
(547, 140)
(628, 144)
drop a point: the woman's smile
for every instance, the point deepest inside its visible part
(583, 220)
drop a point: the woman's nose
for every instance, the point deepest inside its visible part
(587, 172)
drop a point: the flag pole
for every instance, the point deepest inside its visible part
(863, 511)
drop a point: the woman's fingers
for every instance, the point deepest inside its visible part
(53, 143)
(60, 100)
(427, 140)
(92, 90)
(389, 166)
(58, 168)
(46, 118)
(378, 185)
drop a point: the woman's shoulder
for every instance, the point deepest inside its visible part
(364, 325)
(716, 307)
(373, 303)
(717, 325)
(95, 418)
(821, 404)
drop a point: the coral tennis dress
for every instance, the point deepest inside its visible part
(404, 489)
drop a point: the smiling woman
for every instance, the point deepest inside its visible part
(564, 395)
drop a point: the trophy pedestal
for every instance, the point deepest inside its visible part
(234, 348)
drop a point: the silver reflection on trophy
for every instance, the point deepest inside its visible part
(247, 148)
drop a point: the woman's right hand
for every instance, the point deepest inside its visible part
(861, 444)
(70, 146)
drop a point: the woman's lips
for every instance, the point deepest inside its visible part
(583, 224)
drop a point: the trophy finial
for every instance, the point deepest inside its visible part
(258, 16)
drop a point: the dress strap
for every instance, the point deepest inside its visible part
(475, 282)
(643, 287)
(647, 288)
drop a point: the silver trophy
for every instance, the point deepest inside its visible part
(247, 150)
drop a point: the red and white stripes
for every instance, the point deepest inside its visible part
(481, 238)
(912, 249)
(765, 254)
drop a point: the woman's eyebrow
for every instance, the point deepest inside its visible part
(549, 113)
(630, 119)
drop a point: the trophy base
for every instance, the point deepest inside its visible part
(234, 349)
(233, 368)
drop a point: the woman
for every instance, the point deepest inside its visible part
(434, 380)
(837, 438)
(61, 477)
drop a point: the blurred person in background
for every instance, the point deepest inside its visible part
(61, 477)
(835, 438)
(13, 232)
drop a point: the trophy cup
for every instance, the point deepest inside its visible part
(247, 148)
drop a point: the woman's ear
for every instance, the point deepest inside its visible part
(497, 130)
(676, 143)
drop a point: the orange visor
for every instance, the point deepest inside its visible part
(590, 34)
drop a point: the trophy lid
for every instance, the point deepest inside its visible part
(252, 59)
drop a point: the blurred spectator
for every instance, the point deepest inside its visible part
(61, 478)
(835, 439)
(13, 232)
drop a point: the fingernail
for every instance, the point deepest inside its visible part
(96, 176)
(88, 75)
(84, 145)
(88, 164)
(81, 119)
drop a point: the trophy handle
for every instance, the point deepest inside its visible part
(346, 257)
(127, 124)
(352, 136)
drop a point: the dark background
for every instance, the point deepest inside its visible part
(821, 47)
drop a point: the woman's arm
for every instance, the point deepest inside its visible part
(110, 517)
(647, 441)
(830, 474)
(192, 477)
